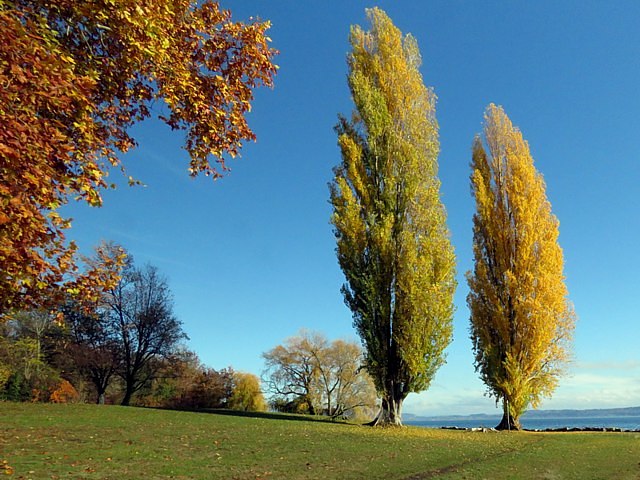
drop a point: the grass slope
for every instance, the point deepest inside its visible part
(97, 442)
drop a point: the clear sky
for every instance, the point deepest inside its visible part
(250, 258)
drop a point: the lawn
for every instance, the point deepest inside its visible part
(108, 442)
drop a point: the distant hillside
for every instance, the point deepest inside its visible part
(600, 412)
(596, 412)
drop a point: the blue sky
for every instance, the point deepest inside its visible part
(250, 258)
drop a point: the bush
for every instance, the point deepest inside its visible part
(16, 389)
(64, 393)
(5, 374)
(209, 389)
(283, 405)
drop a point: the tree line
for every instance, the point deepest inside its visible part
(128, 343)
(128, 347)
(70, 95)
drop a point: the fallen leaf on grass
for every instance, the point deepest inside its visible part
(6, 468)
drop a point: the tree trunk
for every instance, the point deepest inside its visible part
(390, 412)
(128, 393)
(508, 421)
(100, 398)
(310, 407)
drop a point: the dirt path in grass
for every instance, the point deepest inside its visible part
(453, 468)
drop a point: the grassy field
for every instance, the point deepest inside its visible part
(109, 442)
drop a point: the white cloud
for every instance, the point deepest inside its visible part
(610, 385)
(624, 365)
(596, 389)
(442, 401)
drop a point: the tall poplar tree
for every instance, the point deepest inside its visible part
(392, 240)
(521, 318)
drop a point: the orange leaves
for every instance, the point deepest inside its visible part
(18, 74)
(5, 467)
(64, 393)
(229, 59)
(74, 77)
(39, 90)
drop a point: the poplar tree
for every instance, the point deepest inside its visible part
(390, 225)
(521, 318)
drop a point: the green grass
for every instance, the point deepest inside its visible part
(109, 442)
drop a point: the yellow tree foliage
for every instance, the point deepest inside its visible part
(392, 240)
(75, 76)
(521, 318)
(247, 395)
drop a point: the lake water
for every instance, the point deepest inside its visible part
(625, 423)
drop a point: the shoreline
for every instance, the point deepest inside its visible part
(550, 430)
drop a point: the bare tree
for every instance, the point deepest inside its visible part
(292, 371)
(140, 310)
(326, 376)
(346, 386)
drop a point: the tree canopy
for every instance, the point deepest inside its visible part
(521, 318)
(390, 225)
(309, 374)
(247, 396)
(75, 76)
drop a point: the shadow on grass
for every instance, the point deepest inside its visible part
(267, 415)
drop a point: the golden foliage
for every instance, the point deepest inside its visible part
(521, 319)
(319, 376)
(247, 395)
(64, 393)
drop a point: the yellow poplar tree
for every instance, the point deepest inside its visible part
(521, 318)
(390, 225)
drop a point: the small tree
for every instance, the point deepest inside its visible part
(390, 225)
(247, 395)
(94, 347)
(25, 350)
(209, 389)
(140, 310)
(309, 374)
(347, 387)
(521, 318)
(291, 370)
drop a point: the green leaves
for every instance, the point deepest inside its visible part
(392, 240)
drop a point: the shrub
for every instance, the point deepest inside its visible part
(64, 393)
